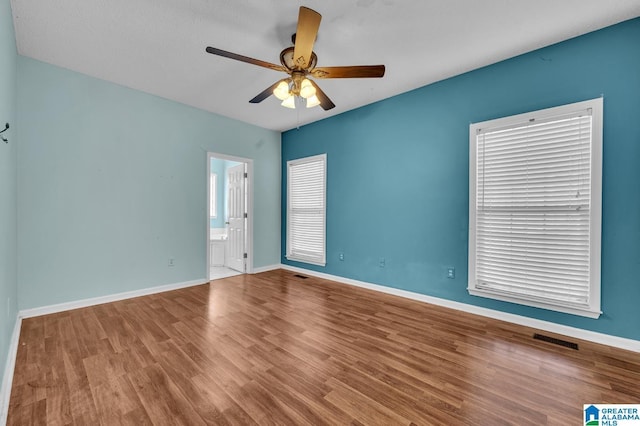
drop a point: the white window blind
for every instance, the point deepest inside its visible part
(306, 195)
(536, 212)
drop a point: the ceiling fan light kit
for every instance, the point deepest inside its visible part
(299, 61)
(286, 90)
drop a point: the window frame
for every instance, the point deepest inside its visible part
(593, 307)
(292, 256)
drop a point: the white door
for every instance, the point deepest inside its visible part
(236, 208)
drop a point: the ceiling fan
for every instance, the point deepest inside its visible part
(299, 61)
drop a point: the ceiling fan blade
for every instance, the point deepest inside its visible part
(356, 71)
(308, 24)
(265, 93)
(246, 59)
(325, 102)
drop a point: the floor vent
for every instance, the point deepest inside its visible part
(555, 341)
(301, 276)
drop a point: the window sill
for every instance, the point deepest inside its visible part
(536, 304)
(304, 260)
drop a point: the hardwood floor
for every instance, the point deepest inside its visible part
(273, 348)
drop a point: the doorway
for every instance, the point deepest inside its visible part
(229, 222)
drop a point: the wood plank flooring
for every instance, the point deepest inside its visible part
(273, 348)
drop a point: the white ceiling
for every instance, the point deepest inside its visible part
(158, 46)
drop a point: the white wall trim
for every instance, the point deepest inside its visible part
(66, 306)
(578, 333)
(267, 268)
(7, 381)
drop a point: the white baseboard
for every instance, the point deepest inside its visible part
(578, 333)
(266, 268)
(7, 381)
(61, 307)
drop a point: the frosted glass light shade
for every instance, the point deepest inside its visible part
(306, 89)
(290, 102)
(282, 90)
(313, 101)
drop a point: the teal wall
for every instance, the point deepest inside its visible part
(8, 224)
(112, 183)
(398, 171)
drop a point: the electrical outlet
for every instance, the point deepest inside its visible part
(341, 256)
(451, 273)
(171, 262)
(383, 262)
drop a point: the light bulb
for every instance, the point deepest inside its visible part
(313, 101)
(282, 90)
(306, 89)
(290, 102)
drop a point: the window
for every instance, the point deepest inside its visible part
(535, 208)
(213, 197)
(306, 195)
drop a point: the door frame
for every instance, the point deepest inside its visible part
(248, 206)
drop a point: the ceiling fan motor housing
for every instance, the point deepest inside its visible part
(287, 60)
